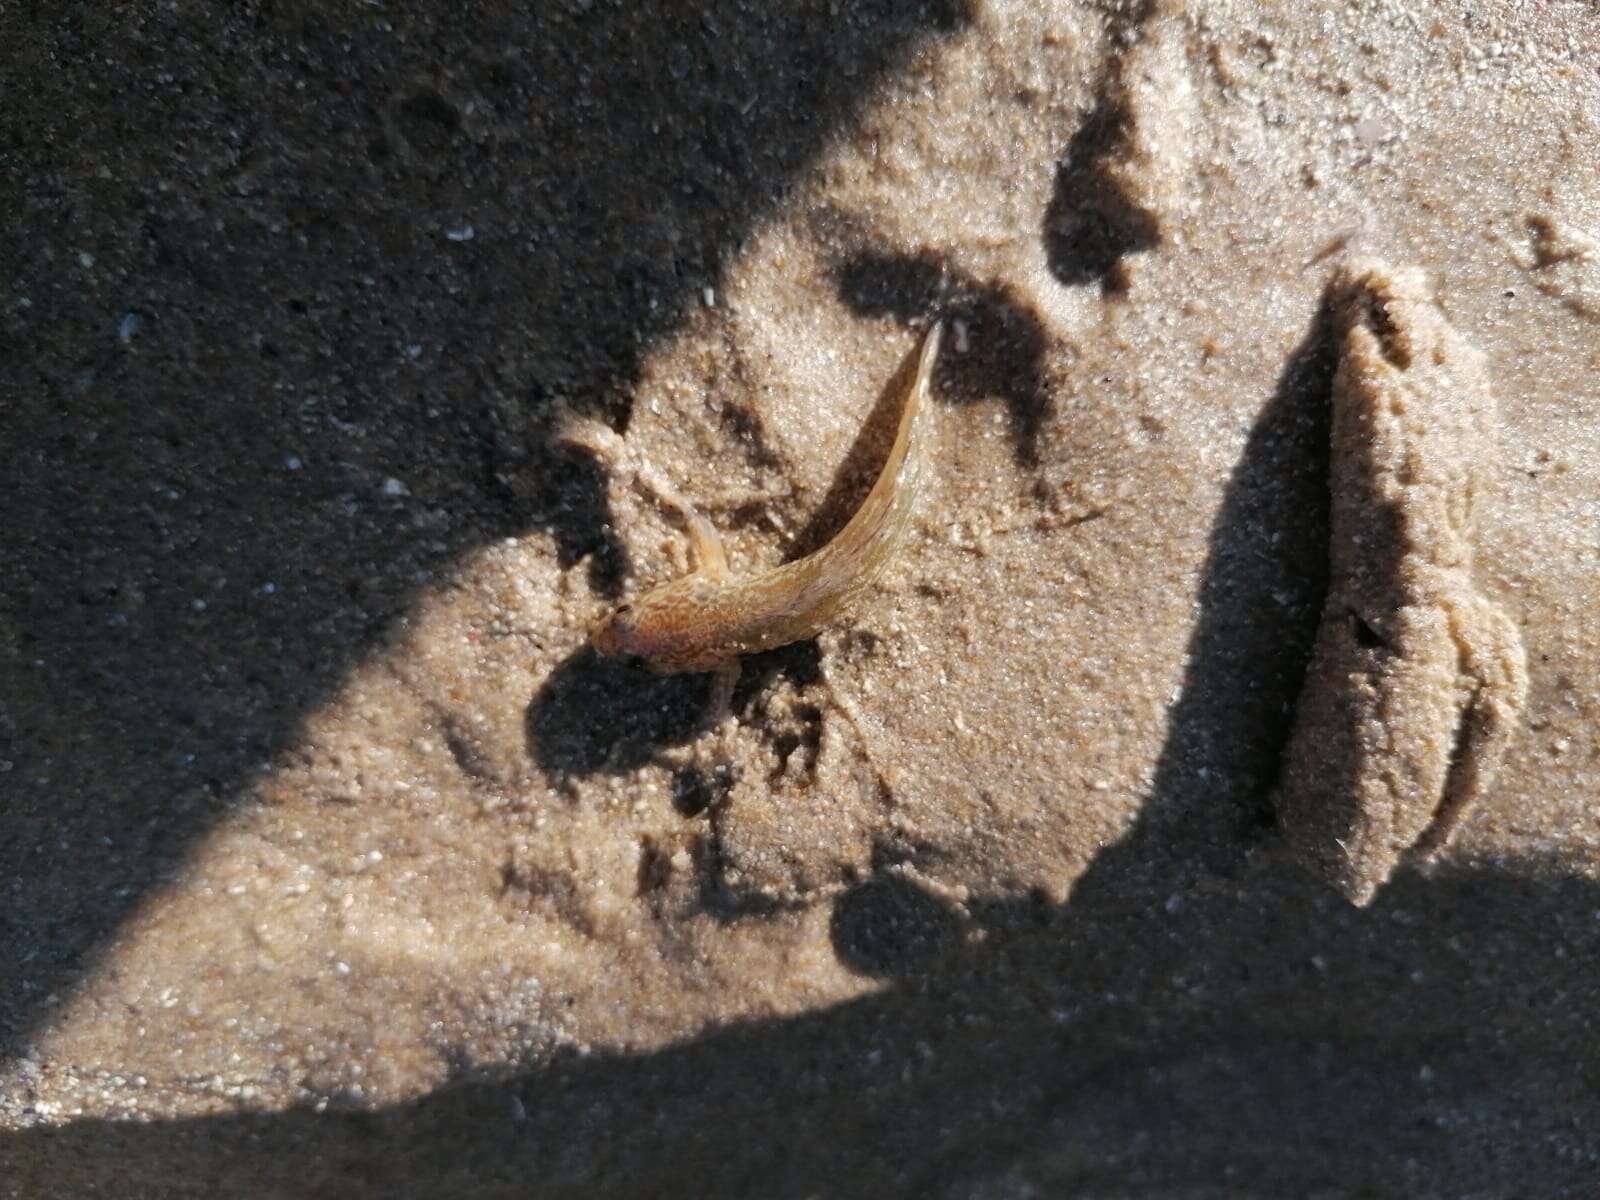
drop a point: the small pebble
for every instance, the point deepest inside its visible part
(393, 487)
(1370, 131)
(128, 327)
(464, 233)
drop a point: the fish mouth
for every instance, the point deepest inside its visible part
(604, 640)
(610, 642)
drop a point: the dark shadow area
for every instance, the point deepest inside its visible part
(596, 714)
(697, 790)
(1240, 1043)
(800, 663)
(1261, 594)
(1091, 223)
(291, 292)
(1005, 339)
(572, 490)
(890, 927)
(1249, 1035)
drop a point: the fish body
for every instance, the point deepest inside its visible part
(710, 617)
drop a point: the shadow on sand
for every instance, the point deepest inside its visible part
(1249, 1035)
(345, 259)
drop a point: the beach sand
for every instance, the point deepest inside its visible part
(334, 862)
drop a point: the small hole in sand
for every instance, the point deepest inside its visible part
(1367, 637)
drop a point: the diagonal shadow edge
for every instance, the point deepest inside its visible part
(1261, 592)
(1238, 1042)
(755, 96)
(1248, 1034)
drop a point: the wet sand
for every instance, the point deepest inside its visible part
(336, 862)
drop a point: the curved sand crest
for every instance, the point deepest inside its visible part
(1417, 680)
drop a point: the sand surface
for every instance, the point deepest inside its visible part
(333, 862)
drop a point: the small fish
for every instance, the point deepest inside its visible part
(706, 619)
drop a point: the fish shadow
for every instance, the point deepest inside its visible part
(1005, 340)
